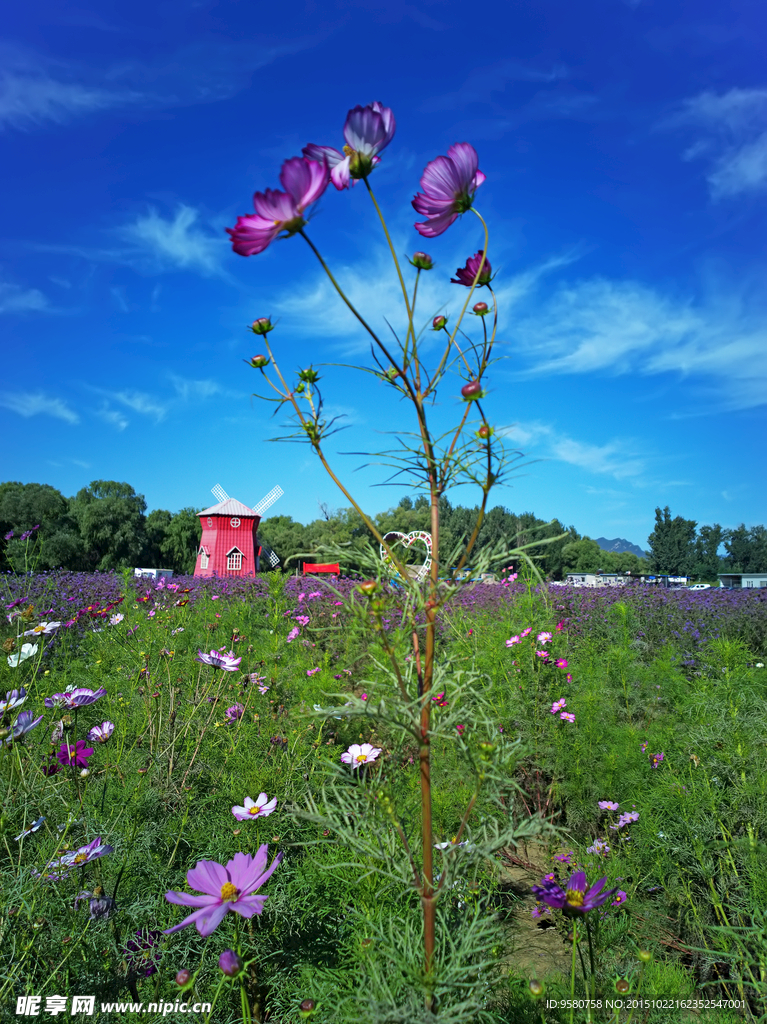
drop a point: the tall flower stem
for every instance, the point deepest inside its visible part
(572, 972)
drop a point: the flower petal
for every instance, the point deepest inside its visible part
(208, 876)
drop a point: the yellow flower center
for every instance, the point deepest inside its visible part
(254, 810)
(574, 898)
(362, 758)
(229, 892)
(80, 858)
(348, 151)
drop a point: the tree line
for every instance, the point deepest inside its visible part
(106, 526)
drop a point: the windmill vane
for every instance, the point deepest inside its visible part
(268, 500)
(219, 492)
(229, 543)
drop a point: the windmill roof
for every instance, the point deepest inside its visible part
(230, 507)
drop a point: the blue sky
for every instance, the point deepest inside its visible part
(625, 148)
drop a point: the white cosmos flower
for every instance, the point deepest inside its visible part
(255, 808)
(27, 651)
(357, 754)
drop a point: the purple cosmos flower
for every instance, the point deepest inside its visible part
(101, 907)
(259, 808)
(8, 535)
(626, 819)
(32, 828)
(439, 700)
(84, 855)
(644, 746)
(305, 181)
(448, 184)
(357, 754)
(558, 705)
(368, 131)
(620, 897)
(13, 699)
(600, 848)
(229, 963)
(655, 760)
(227, 662)
(567, 717)
(466, 277)
(25, 722)
(142, 953)
(312, 671)
(561, 663)
(608, 805)
(101, 733)
(74, 697)
(576, 900)
(235, 712)
(76, 755)
(224, 888)
(566, 858)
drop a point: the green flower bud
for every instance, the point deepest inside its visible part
(645, 956)
(310, 376)
(481, 308)
(369, 587)
(472, 391)
(438, 322)
(262, 326)
(259, 362)
(422, 261)
(536, 988)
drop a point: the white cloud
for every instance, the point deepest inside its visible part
(30, 100)
(624, 327)
(191, 389)
(481, 83)
(38, 404)
(15, 299)
(176, 243)
(112, 417)
(734, 126)
(616, 458)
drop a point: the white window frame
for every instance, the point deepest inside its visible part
(234, 560)
(234, 522)
(204, 559)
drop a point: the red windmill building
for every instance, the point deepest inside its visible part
(229, 543)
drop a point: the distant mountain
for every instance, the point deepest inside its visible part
(619, 546)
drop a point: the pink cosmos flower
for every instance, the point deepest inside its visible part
(543, 637)
(357, 754)
(227, 662)
(224, 887)
(460, 729)
(295, 631)
(526, 632)
(558, 705)
(440, 701)
(368, 131)
(259, 808)
(101, 733)
(542, 654)
(304, 181)
(561, 662)
(311, 671)
(74, 697)
(608, 805)
(513, 640)
(235, 712)
(569, 677)
(448, 184)
(567, 717)
(466, 277)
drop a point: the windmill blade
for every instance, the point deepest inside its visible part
(268, 553)
(219, 493)
(268, 500)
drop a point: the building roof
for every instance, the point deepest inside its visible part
(230, 507)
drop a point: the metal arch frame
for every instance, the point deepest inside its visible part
(410, 538)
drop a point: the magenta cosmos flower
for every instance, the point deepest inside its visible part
(466, 277)
(367, 131)
(448, 184)
(84, 855)
(304, 181)
(224, 887)
(227, 662)
(576, 900)
(76, 755)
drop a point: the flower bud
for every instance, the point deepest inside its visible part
(262, 325)
(310, 376)
(438, 322)
(4, 734)
(259, 362)
(307, 1008)
(85, 773)
(472, 390)
(229, 963)
(422, 261)
(368, 588)
(391, 374)
(622, 986)
(536, 988)
(481, 308)
(645, 956)
(484, 431)
(183, 977)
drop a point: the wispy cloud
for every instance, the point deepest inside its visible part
(732, 136)
(622, 327)
(482, 83)
(188, 390)
(616, 458)
(113, 417)
(15, 299)
(176, 243)
(36, 403)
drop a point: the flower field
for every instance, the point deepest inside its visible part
(168, 749)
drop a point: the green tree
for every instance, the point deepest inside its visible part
(746, 549)
(112, 525)
(672, 544)
(56, 544)
(286, 537)
(156, 528)
(708, 561)
(181, 542)
(583, 555)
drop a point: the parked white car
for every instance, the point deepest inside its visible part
(700, 586)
